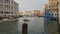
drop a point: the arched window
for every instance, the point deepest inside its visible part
(7, 1)
(11, 12)
(1, 6)
(12, 7)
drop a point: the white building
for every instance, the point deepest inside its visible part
(8, 8)
(16, 9)
(27, 13)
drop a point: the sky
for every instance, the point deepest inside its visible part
(25, 5)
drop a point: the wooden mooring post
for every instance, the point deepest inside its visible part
(24, 28)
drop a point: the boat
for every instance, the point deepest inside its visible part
(9, 19)
(53, 18)
(5, 19)
(39, 16)
(26, 20)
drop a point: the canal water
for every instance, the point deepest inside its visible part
(35, 26)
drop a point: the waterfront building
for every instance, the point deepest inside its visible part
(36, 12)
(59, 13)
(41, 13)
(53, 7)
(32, 13)
(45, 11)
(59, 9)
(27, 13)
(8, 8)
(16, 9)
(21, 13)
(51, 26)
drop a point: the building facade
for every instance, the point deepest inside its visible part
(46, 8)
(51, 26)
(53, 7)
(59, 9)
(27, 13)
(16, 9)
(8, 8)
(36, 12)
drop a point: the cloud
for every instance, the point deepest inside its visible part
(31, 4)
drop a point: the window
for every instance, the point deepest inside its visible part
(1, 12)
(12, 7)
(9, 15)
(7, 7)
(1, 6)
(11, 12)
(4, 12)
(12, 16)
(11, 2)
(7, 1)
(1, 0)
(8, 12)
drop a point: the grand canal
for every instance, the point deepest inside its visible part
(35, 26)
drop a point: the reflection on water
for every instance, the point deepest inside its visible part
(8, 27)
(35, 26)
(51, 26)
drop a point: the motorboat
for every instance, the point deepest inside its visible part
(5, 19)
(26, 20)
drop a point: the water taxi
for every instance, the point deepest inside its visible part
(26, 20)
